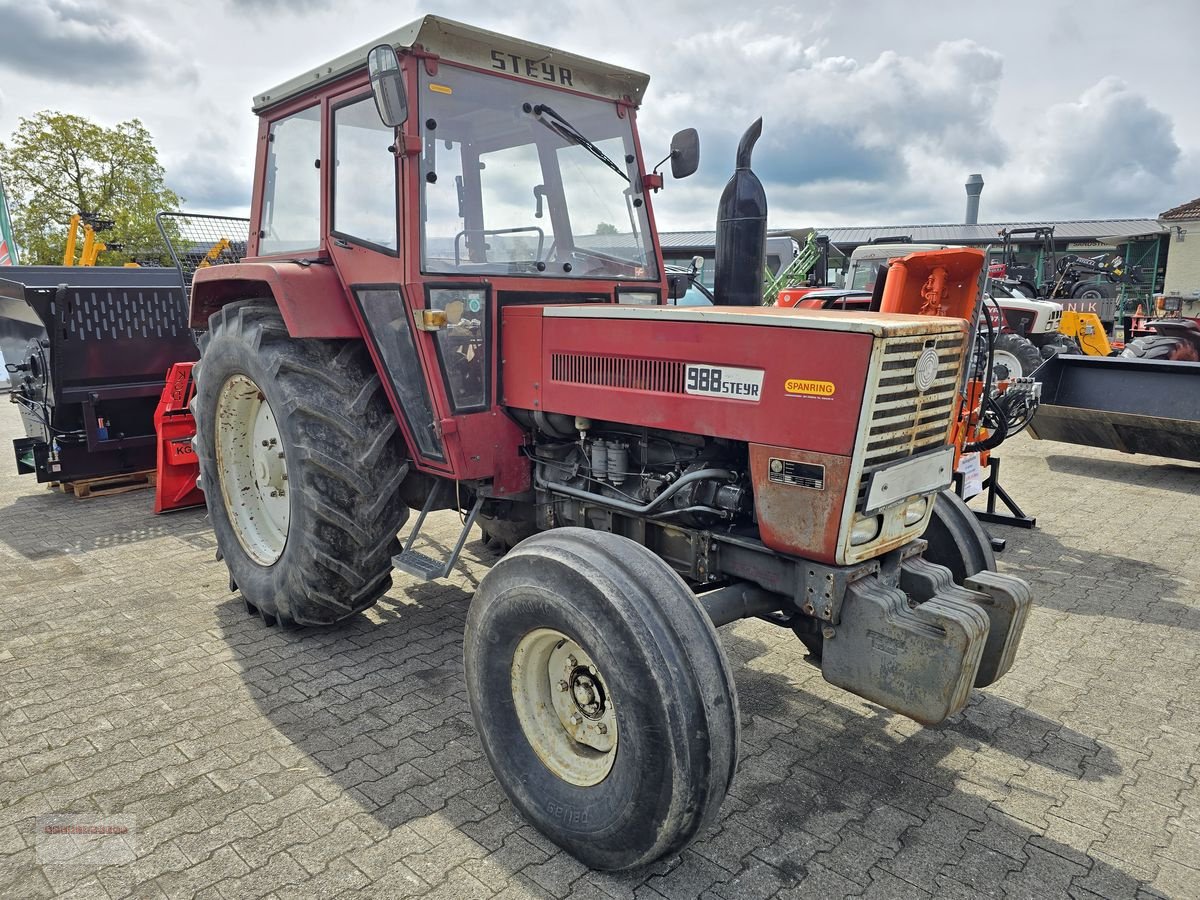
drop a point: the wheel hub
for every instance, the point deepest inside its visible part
(1004, 365)
(252, 469)
(564, 708)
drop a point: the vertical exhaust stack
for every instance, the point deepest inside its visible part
(742, 231)
(974, 189)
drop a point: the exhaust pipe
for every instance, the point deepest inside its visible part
(974, 189)
(742, 231)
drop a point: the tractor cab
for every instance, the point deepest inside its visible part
(457, 172)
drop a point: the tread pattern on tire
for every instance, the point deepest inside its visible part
(681, 642)
(1022, 349)
(345, 465)
(1151, 347)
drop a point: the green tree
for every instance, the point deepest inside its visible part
(56, 165)
(606, 228)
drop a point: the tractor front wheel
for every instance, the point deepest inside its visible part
(300, 461)
(1013, 356)
(956, 539)
(601, 695)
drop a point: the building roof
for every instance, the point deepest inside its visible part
(1189, 210)
(1109, 230)
(1105, 230)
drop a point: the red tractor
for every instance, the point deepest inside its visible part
(454, 298)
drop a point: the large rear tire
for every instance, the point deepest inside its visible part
(300, 461)
(1158, 347)
(601, 695)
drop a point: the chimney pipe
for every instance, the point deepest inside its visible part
(974, 189)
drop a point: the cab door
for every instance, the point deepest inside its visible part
(364, 242)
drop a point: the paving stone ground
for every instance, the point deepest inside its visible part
(253, 761)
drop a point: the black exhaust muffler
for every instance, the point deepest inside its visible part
(742, 231)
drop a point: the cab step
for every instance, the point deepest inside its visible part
(422, 565)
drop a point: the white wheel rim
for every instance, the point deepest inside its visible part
(252, 470)
(564, 707)
(1003, 361)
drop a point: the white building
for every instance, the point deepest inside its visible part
(1183, 262)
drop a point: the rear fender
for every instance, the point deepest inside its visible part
(311, 298)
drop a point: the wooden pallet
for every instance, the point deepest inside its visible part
(86, 488)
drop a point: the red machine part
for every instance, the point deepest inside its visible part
(174, 426)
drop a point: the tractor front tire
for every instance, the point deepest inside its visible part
(602, 696)
(1014, 356)
(300, 461)
(956, 539)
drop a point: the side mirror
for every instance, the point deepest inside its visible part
(678, 284)
(387, 82)
(685, 153)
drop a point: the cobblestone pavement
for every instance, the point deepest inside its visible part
(253, 761)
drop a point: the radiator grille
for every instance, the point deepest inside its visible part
(904, 421)
(661, 376)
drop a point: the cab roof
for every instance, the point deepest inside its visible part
(456, 42)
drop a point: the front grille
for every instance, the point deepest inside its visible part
(661, 376)
(904, 421)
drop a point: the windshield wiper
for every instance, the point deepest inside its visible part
(561, 126)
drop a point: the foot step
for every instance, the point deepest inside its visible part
(423, 566)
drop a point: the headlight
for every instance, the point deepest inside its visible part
(638, 298)
(914, 511)
(865, 530)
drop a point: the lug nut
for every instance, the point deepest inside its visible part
(572, 661)
(576, 719)
(828, 633)
(563, 686)
(602, 728)
(592, 669)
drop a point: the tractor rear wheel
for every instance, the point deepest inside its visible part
(300, 461)
(1013, 356)
(602, 696)
(956, 539)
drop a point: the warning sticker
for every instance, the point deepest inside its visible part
(806, 387)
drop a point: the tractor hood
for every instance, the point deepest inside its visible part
(456, 42)
(883, 325)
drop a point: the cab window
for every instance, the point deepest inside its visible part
(364, 175)
(291, 211)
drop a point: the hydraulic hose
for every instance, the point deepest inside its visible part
(633, 508)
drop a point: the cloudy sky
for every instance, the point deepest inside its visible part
(873, 113)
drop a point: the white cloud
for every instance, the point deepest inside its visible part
(1109, 149)
(78, 42)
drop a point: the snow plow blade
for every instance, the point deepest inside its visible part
(1132, 405)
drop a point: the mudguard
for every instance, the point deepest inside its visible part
(309, 294)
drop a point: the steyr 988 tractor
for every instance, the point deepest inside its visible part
(454, 299)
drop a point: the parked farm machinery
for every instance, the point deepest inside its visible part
(414, 341)
(89, 384)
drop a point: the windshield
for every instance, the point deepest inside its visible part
(508, 189)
